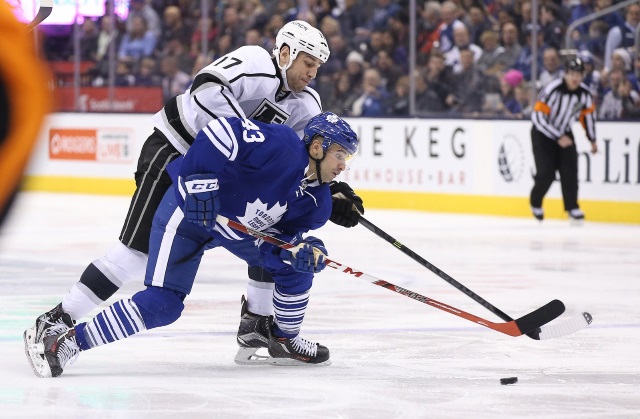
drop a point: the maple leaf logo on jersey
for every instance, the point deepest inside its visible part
(259, 217)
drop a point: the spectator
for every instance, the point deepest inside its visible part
(398, 102)
(552, 25)
(177, 49)
(595, 40)
(108, 33)
(397, 50)
(224, 46)
(512, 49)
(428, 99)
(611, 106)
(233, 26)
(592, 77)
(142, 9)
(88, 41)
(338, 57)
(374, 44)
(610, 19)
(477, 22)
(510, 107)
(147, 75)
(352, 22)
(173, 28)
(355, 66)
(491, 52)
(205, 26)
(429, 30)
(138, 42)
(525, 21)
(622, 36)
(449, 16)
(439, 76)
(523, 93)
(330, 26)
(388, 70)
(124, 78)
(381, 14)
(340, 100)
(523, 63)
(174, 80)
(468, 91)
(552, 66)
(372, 99)
(462, 41)
(580, 10)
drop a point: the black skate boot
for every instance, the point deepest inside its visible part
(297, 351)
(58, 350)
(253, 334)
(51, 323)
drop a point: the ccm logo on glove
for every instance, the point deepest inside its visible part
(201, 185)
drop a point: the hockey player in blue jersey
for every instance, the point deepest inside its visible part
(260, 175)
(246, 83)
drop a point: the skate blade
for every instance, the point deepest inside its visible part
(35, 356)
(250, 356)
(288, 362)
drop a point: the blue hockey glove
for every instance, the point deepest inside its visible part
(201, 204)
(308, 257)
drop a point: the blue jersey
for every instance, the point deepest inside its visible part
(261, 176)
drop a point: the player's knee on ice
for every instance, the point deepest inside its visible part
(159, 306)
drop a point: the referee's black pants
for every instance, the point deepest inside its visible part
(549, 158)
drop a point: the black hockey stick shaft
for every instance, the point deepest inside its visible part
(46, 6)
(518, 327)
(533, 334)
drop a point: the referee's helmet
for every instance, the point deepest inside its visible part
(575, 64)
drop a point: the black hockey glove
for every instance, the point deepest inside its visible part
(346, 205)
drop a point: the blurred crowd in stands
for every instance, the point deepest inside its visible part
(473, 56)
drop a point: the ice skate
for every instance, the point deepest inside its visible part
(576, 216)
(538, 213)
(253, 335)
(55, 352)
(51, 323)
(297, 351)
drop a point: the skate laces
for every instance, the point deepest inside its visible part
(68, 351)
(55, 327)
(304, 346)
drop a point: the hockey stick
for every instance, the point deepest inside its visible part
(563, 328)
(46, 6)
(517, 327)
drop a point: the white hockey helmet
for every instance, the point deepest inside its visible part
(300, 36)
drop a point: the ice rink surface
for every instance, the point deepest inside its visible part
(393, 357)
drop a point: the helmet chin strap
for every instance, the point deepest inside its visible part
(318, 161)
(283, 71)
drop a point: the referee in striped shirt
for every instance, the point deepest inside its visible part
(559, 104)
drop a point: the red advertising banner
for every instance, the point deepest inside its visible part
(96, 99)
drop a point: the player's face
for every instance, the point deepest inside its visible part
(334, 163)
(302, 71)
(573, 79)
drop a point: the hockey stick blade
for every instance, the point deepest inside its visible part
(524, 324)
(572, 325)
(566, 327)
(46, 6)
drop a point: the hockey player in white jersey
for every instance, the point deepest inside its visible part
(260, 175)
(246, 83)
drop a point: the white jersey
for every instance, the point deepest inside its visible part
(245, 83)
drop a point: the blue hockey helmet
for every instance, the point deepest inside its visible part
(334, 130)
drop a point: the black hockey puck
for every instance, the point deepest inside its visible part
(510, 380)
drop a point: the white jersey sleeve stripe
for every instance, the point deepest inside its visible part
(232, 136)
